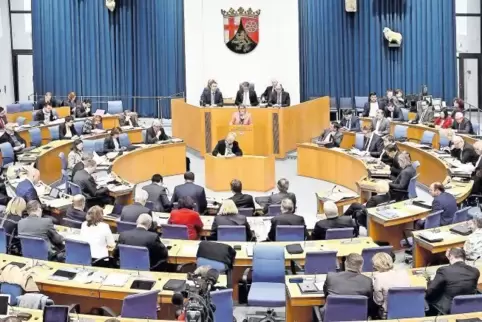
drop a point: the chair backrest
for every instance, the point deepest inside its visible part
(3, 241)
(274, 210)
(466, 304)
(99, 145)
(73, 189)
(412, 188)
(77, 252)
(223, 301)
(346, 103)
(220, 267)
(134, 258)
(89, 145)
(54, 132)
(405, 302)
(63, 160)
(339, 233)
(405, 112)
(476, 128)
(333, 103)
(320, 262)
(140, 306)
(248, 212)
(268, 264)
(114, 107)
(400, 132)
(149, 205)
(125, 226)
(124, 140)
(427, 138)
(35, 137)
(14, 290)
(20, 120)
(174, 231)
(346, 308)
(231, 233)
(71, 223)
(433, 220)
(26, 106)
(13, 108)
(8, 155)
(360, 102)
(79, 126)
(290, 233)
(359, 140)
(444, 141)
(367, 254)
(34, 247)
(461, 215)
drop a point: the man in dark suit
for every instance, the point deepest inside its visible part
(46, 99)
(275, 199)
(83, 178)
(265, 97)
(80, 165)
(36, 226)
(390, 157)
(240, 199)
(189, 189)
(286, 218)
(463, 151)
(155, 133)
(350, 282)
(332, 221)
(477, 175)
(26, 188)
(212, 96)
(443, 201)
(399, 186)
(279, 98)
(372, 106)
(130, 213)
(373, 143)
(350, 122)
(45, 115)
(157, 194)
(425, 113)
(142, 237)
(458, 278)
(228, 147)
(462, 124)
(332, 136)
(381, 124)
(393, 112)
(246, 96)
(111, 142)
(77, 210)
(383, 196)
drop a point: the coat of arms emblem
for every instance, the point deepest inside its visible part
(241, 29)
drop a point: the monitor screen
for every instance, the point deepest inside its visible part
(4, 300)
(56, 313)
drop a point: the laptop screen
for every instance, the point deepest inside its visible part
(56, 313)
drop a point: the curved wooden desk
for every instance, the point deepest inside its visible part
(139, 165)
(12, 117)
(202, 128)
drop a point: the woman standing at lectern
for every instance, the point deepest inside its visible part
(241, 117)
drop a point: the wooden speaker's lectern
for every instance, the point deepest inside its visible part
(251, 138)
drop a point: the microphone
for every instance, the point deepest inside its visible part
(212, 276)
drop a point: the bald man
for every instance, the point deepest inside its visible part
(444, 201)
(26, 188)
(463, 151)
(265, 97)
(462, 124)
(76, 211)
(228, 147)
(279, 98)
(156, 133)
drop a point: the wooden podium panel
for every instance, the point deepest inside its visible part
(48, 161)
(110, 121)
(251, 138)
(255, 172)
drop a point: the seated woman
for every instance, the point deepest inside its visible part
(128, 118)
(111, 142)
(185, 215)
(10, 218)
(75, 154)
(71, 102)
(67, 130)
(97, 233)
(384, 278)
(399, 186)
(228, 216)
(241, 117)
(444, 120)
(94, 123)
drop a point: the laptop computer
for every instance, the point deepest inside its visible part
(53, 194)
(99, 112)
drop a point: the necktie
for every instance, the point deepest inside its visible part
(391, 114)
(369, 143)
(349, 124)
(279, 98)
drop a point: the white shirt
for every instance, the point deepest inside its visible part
(369, 142)
(373, 109)
(68, 133)
(98, 237)
(328, 138)
(212, 98)
(116, 144)
(246, 99)
(378, 125)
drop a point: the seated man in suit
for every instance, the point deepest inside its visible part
(142, 237)
(399, 186)
(67, 130)
(228, 147)
(275, 199)
(380, 124)
(36, 226)
(26, 188)
(130, 213)
(383, 195)
(77, 210)
(424, 113)
(112, 143)
(211, 95)
(83, 178)
(84, 110)
(350, 282)
(286, 218)
(462, 124)
(45, 115)
(458, 278)
(350, 122)
(390, 157)
(157, 194)
(189, 189)
(373, 143)
(393, 112)
(246, 96)
(463, 151)
(265, 97)
(15, 140)
(332, 221)
(279, 98)
(46, 99)
(442, 200)
(128, 118)
(331, 137)
(156, 133)
(372, 106)
(477, 175)
(240, 199)
(80, 165)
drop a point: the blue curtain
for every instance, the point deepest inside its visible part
(138, 50)
(345, 54)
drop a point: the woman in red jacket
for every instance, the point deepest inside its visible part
(185, 215)
(444, 121)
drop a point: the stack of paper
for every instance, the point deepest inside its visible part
(116, 279)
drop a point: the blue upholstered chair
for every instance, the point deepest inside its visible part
(223, 301)
(367, 254)
(125, 226)
(77, 252)
(134, 258)
(175, 232)
(124, 140)
(89, 145)
(345, 308)
(289, 233)
(405, 302)
(71, 223)
(461, 215)
(360, 102)
(13, 108)
(141, 306)
(427, 138)
(359, 140)
(73, 189)
(466, 304)
(79, 126)
(34, 247)
(35, 137)
(54, 132)
(320, 262)
(274, 210)
(231, 233)
(400, 132)
(8, 155)
(114, 107)
(339, 233)
(248, 212)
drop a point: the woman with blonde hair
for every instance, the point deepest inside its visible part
(228, 216)
(384, 278)
(97, 233)
(10, 218)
